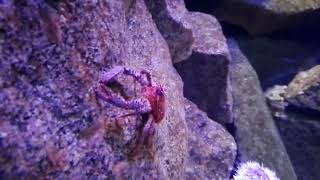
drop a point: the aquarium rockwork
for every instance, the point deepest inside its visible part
(160, 89)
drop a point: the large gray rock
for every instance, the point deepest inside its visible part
(212, 149)
(255, 132)
(206, 72)
(204, 69)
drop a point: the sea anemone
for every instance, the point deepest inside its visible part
(254, 171)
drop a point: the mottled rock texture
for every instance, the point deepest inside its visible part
(52, 125)
(204, 68)
(255, 132)
(304, 90)
(212, 149)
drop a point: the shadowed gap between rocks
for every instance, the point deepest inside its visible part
(204, 76)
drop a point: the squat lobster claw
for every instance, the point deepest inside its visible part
(152, 100)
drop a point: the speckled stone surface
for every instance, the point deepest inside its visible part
(212, 149)
(52, 126)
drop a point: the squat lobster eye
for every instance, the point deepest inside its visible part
(159, 91)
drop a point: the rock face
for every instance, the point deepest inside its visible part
(212, 149)
(304, 90)
(206, 72)
(53, 126)
(255, 132)
(205, 68)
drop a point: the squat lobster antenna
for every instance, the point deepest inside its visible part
(140, 105)
(147, 73)
(107, 76)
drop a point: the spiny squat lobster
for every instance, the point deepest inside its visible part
(152, 100)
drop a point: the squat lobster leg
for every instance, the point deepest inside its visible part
(140, 105)
(108, 76)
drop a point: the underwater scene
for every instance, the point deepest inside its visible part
(159, 89)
